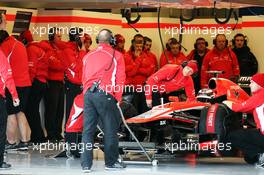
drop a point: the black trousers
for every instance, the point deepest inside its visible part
(54, 109)
(37, 92)
(99, 106)
(249, 141)
(197, 83)
(71, 90)
(139, 101)
(3, 121)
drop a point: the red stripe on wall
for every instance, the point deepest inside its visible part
(10, 17)
(169, 25)
(253, 24)
(78, 19)
(90, 20)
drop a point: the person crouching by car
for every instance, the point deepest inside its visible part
(251, 141)
(171, 78)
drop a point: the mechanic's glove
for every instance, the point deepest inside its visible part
(228, 103)
(149, 103)
(16, 102)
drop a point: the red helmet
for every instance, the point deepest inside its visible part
(119, 38)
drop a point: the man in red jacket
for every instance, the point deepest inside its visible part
(73, 56)
(147, 47)
(171, 78)
(138, 68)
(120, 43)
(16, 54)
(54, 98)
(251, 141)
(6, 80)
(38, 70)
(220, 58)
(173, 52)
(103, 81)
(87, 42)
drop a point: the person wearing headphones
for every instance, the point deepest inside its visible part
(220, 58)
(173, 52)
(73, 60)
(38, 70)
(54, 97)
(103, 81)
(120, 43)
(198, 54)
(6, 80)
(248, 63)
(171, 78)
(17, 57)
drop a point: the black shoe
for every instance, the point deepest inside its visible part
(5, 166)
(86, 170)
(10, 147)
(260, 162)
(115, 167)
(23, 146)
(59, 138)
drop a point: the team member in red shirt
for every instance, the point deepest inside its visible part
(251, 141)
(38, 70)
(54, 98)
(120, 43)
(138, 68)
(220, 58)
(16, 54)
(173, 52)
(6, 80)
(147, 47)
(171, 78)
(73, 56)
(198, 54)
(103, 81)
(87, 42)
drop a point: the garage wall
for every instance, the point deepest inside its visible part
(92, 22)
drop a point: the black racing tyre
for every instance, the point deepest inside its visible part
(213, 119)
(223, 122)
(220, 120)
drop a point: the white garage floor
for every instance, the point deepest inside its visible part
(36, 163)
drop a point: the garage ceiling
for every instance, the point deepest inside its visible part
(111, 4)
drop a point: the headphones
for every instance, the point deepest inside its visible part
(198, 39)
(112, 40)
(215, 40)
(237, 35)
(172, 41)
(51, 34)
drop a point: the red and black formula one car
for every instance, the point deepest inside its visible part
(204, 122)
